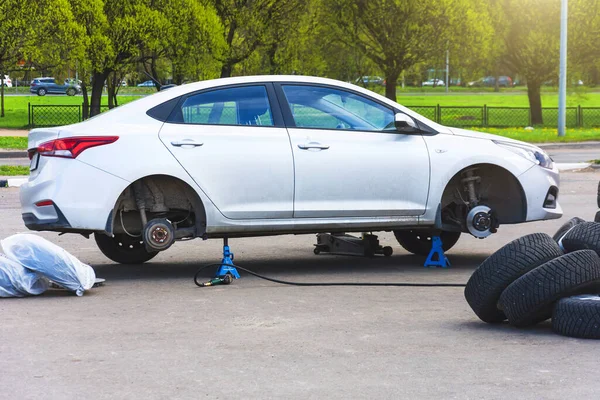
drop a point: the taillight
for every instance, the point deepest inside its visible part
(32, 84)
(73, 146)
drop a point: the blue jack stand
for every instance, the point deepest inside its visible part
(436, 249)
(225, 269)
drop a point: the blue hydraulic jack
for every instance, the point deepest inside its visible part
(437, 250)
(227, 262)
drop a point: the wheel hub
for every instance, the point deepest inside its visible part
(159, 234)
(480, 221)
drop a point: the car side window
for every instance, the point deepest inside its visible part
(245, 105)
(328, 108)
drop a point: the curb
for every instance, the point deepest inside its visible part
(13, 154)
(570, 145)
(571, 166)
(13, 182)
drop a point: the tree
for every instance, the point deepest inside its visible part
(529, 30)
(245, 25)
(398, 34)
(15, 37)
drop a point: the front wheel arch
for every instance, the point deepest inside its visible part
(499, 189)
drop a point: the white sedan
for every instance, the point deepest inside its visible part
(271, 155)
(433, 82)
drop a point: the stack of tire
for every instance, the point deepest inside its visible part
(538, 277)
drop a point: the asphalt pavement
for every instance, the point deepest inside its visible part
(150, 333)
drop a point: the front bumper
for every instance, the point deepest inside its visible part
(538, 183)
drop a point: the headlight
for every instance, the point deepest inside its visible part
(534, 155)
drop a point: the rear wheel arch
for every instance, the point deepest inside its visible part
(498, 188)
(172, 192)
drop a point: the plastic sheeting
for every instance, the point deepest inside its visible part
(18, 281)
(47, 259)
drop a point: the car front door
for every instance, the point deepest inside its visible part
(349, 159)
(233, 143)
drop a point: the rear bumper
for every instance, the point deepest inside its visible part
(52, 219)
(83, 196)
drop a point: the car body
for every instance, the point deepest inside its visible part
(269, 155)
(147, 84)
(433, 82)
(7, 81)
(49, 85)
(489, 81)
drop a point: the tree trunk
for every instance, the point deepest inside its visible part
(496, 81)
(86, 101)
(535, 102)
(391, 80)
(226, 70)
(98, 79)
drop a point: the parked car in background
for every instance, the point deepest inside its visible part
(146, 84)
(433, 82)
(489, 81)
(370, 80)
(43, 86)
(150, 172)
(7, 81)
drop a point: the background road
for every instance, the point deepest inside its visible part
(150, 333)
(566, 154)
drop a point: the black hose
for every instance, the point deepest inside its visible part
(407, 284)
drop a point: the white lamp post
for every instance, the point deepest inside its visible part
(562, 84)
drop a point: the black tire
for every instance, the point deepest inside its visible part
(583, 236)
(123, 249)
(597, 217)
(578, 316)
(41, 92)
(502, 268)
(598, 196)
(565, 228)
(419, 242)
(71, 92)
(530, 299)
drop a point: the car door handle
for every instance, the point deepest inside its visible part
(313, 145)
(186, 143)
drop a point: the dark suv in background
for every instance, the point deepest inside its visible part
(42, 86)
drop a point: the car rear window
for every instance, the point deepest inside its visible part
(244, 105)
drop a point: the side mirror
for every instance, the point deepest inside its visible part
(405, 124)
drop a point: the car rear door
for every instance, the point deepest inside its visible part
(233, 143)
(349, 159)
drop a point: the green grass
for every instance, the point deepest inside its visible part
(544, 135)
(12, 170)
(13, 142)
(16, 107)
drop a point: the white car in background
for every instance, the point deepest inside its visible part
(7, 81)
(433, 82)
(271, 155)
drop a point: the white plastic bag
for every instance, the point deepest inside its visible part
(18, 281)
(47, 259)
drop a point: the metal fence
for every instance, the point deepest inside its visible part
(46, 115)
(456, 116)
(507, 117)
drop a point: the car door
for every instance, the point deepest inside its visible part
(349, 159)
(53, 86)
(233, 143)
